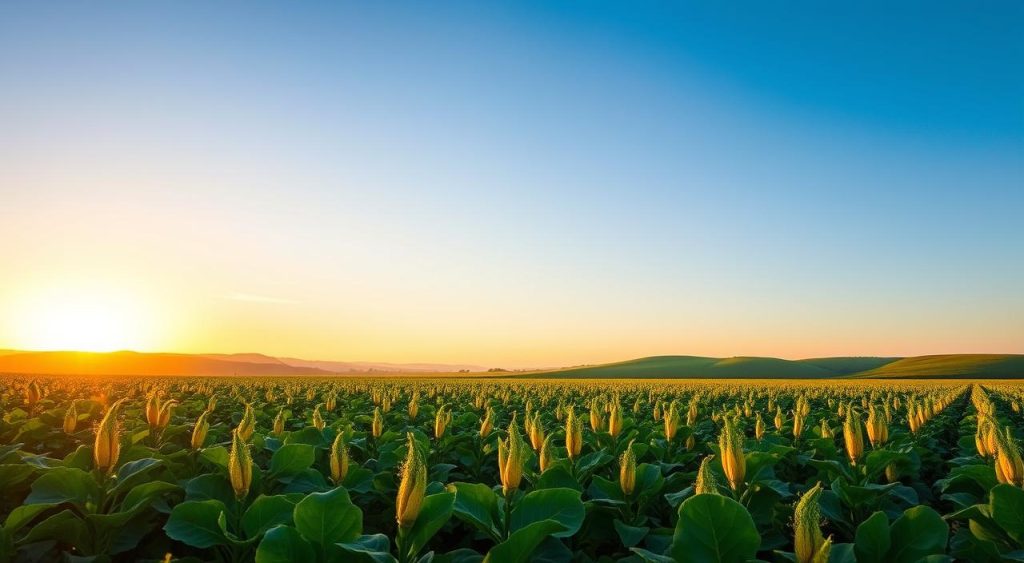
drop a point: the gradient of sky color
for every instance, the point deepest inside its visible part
(516, 183)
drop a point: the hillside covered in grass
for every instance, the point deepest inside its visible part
(957, 366)
(670, 367)
(966, 366)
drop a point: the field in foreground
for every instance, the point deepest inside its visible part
(327, 469)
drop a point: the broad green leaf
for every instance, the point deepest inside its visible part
(919, 532)
(132, 472)
(434, 513)
(966, 547)
(651, 556)
(856, 496)
(307, 435)
(630, 535)
(284, 544)
(973, 478)
(63, 484)
(960, 501)
(592, 461)
(110, 522)
(605, 490)
(439, 471)
(986, 530)
(291, 459)
(714, 529)
(551, 550)
(872, 540)
(216, 455)
(761, 503)
(13, 474)
(759, 465)
(831, 467)
(907, 494)
(877, 460)
(9, 452)
(358, 480)
(369, 549)
(842, 553)
(266, 512)
(556, 477)
(235, 537)
(81, 458)
(521, 543)
(194, 522)
(477, 504)
(127, 537)
(22, 515)
(1007, 505)
(211, 486)
(142, 495)
(63, 527)
(306, 481)
(31, 431)
(649, 480)
(832, 507)
(561, 505)
(328, 518)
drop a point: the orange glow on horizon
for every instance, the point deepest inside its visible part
(81, 318)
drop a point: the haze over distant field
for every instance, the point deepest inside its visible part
(515, 185)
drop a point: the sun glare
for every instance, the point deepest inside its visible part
(82, 320)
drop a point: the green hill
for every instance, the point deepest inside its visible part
(954, 366)
(849, 365)
(964, 366)
(669, 367)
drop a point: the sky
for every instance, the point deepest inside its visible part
(513, 184)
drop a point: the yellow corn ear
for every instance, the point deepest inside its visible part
(706, 483)
(734, 463)
(339, 459)
(240, 465)
(107, 448)
(807, 538)
(627, 471)
(200, 430)
(412, 487)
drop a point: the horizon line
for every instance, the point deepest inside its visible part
(481, 365)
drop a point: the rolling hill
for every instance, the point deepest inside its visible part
(668, 367)
(848, 365)
(979, 366)
(952, 366)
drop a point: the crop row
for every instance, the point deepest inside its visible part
(133, 469)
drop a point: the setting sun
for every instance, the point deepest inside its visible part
(82, 319)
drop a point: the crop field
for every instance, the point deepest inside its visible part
(462, 470)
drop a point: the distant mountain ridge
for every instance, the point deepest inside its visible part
(151, 363)
(359, 367)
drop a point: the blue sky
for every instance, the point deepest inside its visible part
(527, 183)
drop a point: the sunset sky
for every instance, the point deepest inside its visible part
(512, 184)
